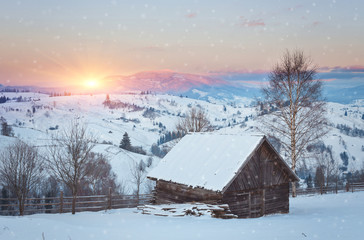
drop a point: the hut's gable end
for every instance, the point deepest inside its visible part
(263, 169)
(273, 170)
(248, 178)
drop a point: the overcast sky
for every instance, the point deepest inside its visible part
(51, 43)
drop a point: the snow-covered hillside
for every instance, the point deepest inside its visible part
(146, 117)
(36, 117)
(348, 139)
(331, 216)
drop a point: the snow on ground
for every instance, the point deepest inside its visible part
(5, 141)
(311, 217)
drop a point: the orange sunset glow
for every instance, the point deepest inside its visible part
(81, 43)
(91, 83)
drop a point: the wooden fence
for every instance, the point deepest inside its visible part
(355, 187)
(63, 204)
(352, 187)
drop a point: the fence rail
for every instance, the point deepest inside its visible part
(356, 187)
(61, 204)
(349, 187)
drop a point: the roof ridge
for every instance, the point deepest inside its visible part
(226, 134)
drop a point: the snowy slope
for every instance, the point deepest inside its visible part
(109, 125)
(53, 114)
(340, 142)
(311, 217)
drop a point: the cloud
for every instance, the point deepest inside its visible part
(353, 69)
(328, 79)
(316, 23)
(332, 76)
(247, 78)
(349, 76)
(291, 9)
(252, 23)
(151, 48)
(338, 76)
(191, 15)
(251, 83)
(340, 69)
(238, 72)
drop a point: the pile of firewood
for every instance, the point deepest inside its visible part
(192, 209)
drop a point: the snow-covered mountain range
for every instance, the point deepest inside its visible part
(36, 117)
(221, 86)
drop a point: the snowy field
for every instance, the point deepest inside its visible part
(331, 216)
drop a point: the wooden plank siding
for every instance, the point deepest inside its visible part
(266, 180)
(168, 192)
(261, 186)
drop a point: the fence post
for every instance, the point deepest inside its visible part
(347, 187)
(61, 202)
(352, 188)
(109, 199)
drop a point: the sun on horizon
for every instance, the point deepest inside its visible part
(91, 83)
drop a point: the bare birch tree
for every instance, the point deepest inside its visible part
(21, 169)
(298, 110)
(195, 121)
(68, 156)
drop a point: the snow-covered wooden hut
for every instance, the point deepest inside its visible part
(243, 171)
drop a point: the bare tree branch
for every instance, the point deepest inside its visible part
(195, 121)
(68, 156)
(21, 169)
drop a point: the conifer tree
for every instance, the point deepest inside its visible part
(125, 142)
(319, 177)
(309, 181)
(6, 129)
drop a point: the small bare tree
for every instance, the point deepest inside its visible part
(138, 176)
(195, 121)
(329, 167)
(297, 110)
(68, 156)
(100, 176)
(21, 169)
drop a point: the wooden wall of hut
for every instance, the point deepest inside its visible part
(168, 192)
(262, 186)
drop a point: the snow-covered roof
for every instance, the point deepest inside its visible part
(206, 160)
